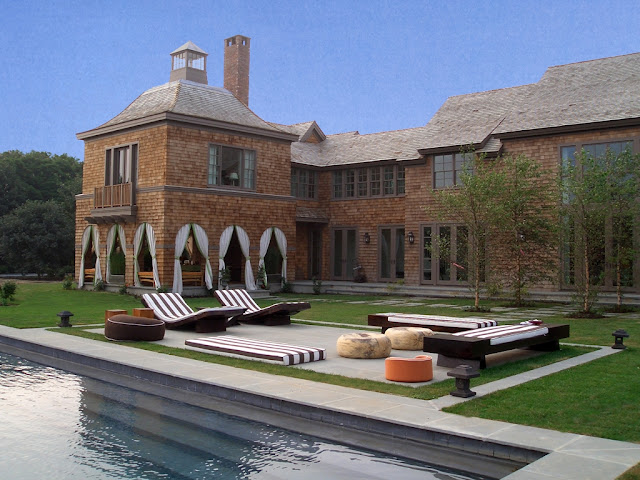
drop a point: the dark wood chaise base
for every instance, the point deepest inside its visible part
(454, 350)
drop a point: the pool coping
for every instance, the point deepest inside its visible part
(397, 425)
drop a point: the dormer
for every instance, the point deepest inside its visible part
(189, 62)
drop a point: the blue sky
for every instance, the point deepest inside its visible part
(374, 65)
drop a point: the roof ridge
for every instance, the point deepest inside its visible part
(593, 60)
(174, 101)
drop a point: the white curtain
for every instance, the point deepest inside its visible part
(86, 238)
(265, 239)
(243, 238)
(281, 240)
(151, 240)
(96, 246)
(202, 242)
(137, 245)
(225, 240)
(181, 242)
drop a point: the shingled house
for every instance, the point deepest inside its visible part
(187, 180)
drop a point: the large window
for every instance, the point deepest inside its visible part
(232, 167)
(445, 253)
(601, 256)
(120, 163)
(367, 182)
(303, 183)
(447, 169)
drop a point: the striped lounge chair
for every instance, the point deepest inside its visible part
(279, 352)
(437, 323)
(277, 314)
(175, 313)
(471, 346)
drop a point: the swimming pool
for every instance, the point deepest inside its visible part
(60, 425)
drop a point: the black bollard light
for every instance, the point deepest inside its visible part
(619, 335)
(463, 375)
(64, 318)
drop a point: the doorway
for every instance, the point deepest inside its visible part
(344, 248)
(391, 253)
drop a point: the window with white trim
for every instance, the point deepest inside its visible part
(232, 167)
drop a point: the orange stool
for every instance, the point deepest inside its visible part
(418, 369)
(143, 312)
(110, 313)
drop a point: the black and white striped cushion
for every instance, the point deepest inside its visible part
(167, 306)
(437, 320)
(238, 298)
(505, 333)
(287, 354)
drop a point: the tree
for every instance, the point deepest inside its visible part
(622, 184)
(583, 211)
(473, 203)
(525, 224)
(38, 176)
(37, 237)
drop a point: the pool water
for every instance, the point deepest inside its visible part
(58, 425)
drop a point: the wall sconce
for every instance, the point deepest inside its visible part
(411, 238)
(367, 238)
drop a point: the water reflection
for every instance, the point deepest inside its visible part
(60, 425)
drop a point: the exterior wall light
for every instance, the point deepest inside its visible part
(411, 238)
(64, 318)
(367, 238)
(619, 335)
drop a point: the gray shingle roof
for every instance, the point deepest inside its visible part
(189, 46)
(195, 100)
(600, 90)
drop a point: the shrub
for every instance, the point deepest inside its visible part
(286, 287)
(317, 286)
(7, 292)
(99, 286)
(67, 283)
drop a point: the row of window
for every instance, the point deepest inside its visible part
(368, 182)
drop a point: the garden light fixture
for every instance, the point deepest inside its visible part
(619, 335)
(64, 318)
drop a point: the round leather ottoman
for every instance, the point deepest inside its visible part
(407, 338)
(364, 345)
(127, 327)
(410, 370)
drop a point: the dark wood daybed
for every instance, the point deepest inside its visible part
(471, 347)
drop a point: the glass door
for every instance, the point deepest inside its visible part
(391, 253)
(344, 252)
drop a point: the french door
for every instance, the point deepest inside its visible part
(344, 251)
(391, 253)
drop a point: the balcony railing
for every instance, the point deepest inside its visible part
(113, 196)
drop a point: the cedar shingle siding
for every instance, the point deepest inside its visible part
(174, 124)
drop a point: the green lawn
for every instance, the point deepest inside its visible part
(598, 399)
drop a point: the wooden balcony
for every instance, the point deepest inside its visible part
(113, 204)
(113, 196)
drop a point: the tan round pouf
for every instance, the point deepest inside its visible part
(364, 345)
(407, 338)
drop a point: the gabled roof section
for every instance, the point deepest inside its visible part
(470, 119)
(576, 94)
(191, 102)
(351, 148)
(306, 131)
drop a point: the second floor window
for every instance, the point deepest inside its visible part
(369, 182)
(447, 169)
(232, 167)
(303, 183)
(120, 163)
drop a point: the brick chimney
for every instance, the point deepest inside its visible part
(236, 67)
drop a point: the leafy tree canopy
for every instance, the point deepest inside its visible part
(37, 237)
(38, 176)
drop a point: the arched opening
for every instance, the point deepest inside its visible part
(273, 262)
(234, 260)
(192, 263)
(192, 266)
(90, 261)
(116, 256)
(145, 269)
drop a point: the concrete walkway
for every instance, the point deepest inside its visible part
(413, 428)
